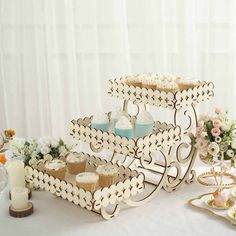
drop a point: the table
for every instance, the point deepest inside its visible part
(167, 214)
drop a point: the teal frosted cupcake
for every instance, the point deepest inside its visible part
(100, 122)
(144, 124)
(124, 128)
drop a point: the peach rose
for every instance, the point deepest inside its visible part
(216, 123)
(215, 132)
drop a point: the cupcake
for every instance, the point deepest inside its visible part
(167, 86)
(135, 81)
(87, 181)
(220, 198)
(56, 168)
(100, 122)
(144, 124)
(115, 116)
(108, 174)
(149, 83)
(184, 84)
(76, 163)
(124, 128)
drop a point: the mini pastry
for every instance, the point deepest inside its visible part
(56, 168)
(108, 174)
(184, 84)
(100, 122)
(144, 124)
(124, 128)
(87, 180)
(76, 163)
(220, 198)
(135, 81)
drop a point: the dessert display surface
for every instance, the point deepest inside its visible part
(128, 183)
(146, 155)
(172, 99)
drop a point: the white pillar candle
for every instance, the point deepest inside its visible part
(19, 198)
(16, 174)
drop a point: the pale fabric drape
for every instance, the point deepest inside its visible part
(57, 55)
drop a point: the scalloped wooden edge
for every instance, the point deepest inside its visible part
(164, 136)
(173, 100)
(128, 174)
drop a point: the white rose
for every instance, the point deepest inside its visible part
(218, 139)
(54, 143)
(234, 132)
(45, 150)
(45, 141)
(233, 144)
(204, 134)
(62, 150)
(18, 142)
(213, 149)
(226, 125)
(230, 153)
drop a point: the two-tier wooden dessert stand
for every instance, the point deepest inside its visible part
(165, 157)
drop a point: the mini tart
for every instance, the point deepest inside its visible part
(76, 163)
(108, 174)
(185, 84)
(56, 168)
(87, 180)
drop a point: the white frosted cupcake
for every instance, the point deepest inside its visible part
(167, 86)
(107, 174)
(124, 127)
(144, 124)
(76, 163)
(115, 116)
(100, 122)
(87, 181)
(134, 80)
(186, 84)
(56, 168)
(149, 83)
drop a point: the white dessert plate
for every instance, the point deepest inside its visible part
(232, 213)
(233, 192)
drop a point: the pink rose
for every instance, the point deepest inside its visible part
(215, 132)
(201, 144)
(198, 132)
(216, 123)
(218, 110)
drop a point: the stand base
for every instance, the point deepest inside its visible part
(22, 213)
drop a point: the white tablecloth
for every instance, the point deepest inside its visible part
(166, 214)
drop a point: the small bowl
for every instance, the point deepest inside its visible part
(128, 133)
(103, 127)
(142, 130)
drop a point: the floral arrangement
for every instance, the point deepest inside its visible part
(32, 151)
(215, 138)
(6, 137)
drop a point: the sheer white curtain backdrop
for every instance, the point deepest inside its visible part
(57, 55)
